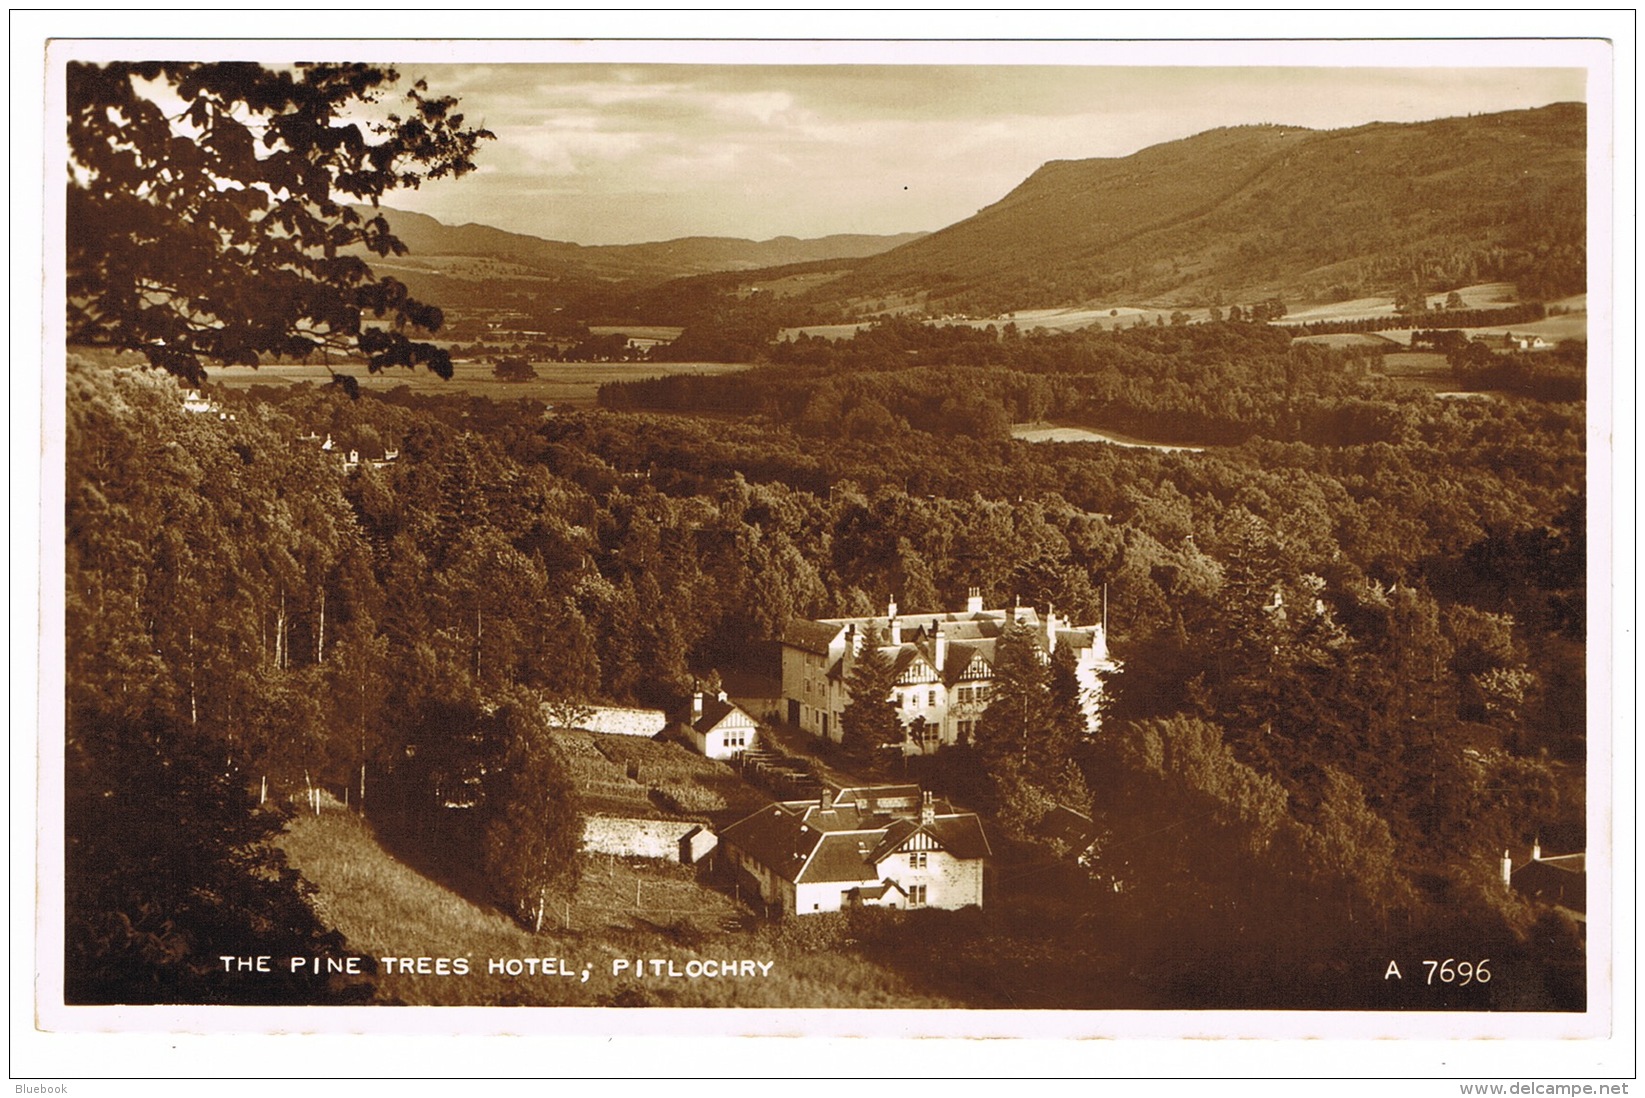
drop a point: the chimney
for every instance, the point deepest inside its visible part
(1507, 869)
(1050, 630)
(973, 601)
(892, 622)
(696, 706)
(928, 810)
(1536, 849)
(940, 644)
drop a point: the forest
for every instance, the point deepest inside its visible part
(1352, 645)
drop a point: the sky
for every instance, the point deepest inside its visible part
(612, 153)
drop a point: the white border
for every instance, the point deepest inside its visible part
(37, 429)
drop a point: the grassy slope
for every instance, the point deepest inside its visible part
(385, 908)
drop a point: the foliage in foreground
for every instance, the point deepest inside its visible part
(222, 234)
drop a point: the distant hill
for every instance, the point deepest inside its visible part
(434, 245)
(1234, 215)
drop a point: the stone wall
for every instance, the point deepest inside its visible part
(614, 721)
(635, 838)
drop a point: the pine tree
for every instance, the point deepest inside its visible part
(1013, 727)
(869, 722)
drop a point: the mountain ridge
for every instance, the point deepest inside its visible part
(1263, 210)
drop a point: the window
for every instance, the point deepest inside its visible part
(916, 895)
(916, 859)
(932, 701)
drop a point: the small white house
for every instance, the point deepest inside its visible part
(719, 728)
(855, 848)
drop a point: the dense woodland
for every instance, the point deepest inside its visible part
(1352, 645)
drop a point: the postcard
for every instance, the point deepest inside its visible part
(818, 539)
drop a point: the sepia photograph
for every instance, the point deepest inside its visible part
(1027, 541)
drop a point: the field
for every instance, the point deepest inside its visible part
(1353, 339)
(1485, 295)
(1553, 329)
(1049, 432)
(626, 910)
(569, 384)
(665, 332)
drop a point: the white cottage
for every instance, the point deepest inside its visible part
(853, 848)
(719, 728)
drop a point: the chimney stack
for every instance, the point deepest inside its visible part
(892, 623)
(973, 601)
(940, 644)
(1507, 870)
(1050, 629)
(928, 810)
(696, 705)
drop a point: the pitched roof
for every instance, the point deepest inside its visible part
(1554, 881)
(841, 856)
(960, 834)
(961, 657)
(715, 711)
(806, 843)
(776, 838)
(812, 636)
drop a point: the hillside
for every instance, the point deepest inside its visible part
(1256, 211)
